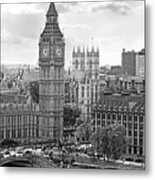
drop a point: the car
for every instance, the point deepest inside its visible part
(46, 156)
(1, 156)
(19, 154)
(12, 153)
(37, 152)
(6, 154)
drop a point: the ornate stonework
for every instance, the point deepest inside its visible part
(51, 88)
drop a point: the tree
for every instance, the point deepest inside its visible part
(70, 116)
(1, 76)
(118, 141)
(34, 91)
(84, 131)
(9, 143)
(110, 141)
(10, 84)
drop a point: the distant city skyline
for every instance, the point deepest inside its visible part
(111, 26)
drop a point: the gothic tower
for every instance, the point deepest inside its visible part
(78, 59)
(51, 86)
(92, 65)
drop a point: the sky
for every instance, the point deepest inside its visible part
(111, 26)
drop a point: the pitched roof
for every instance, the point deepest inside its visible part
(52, 10)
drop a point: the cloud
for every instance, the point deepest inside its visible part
(77, 26)
(8, 38)
(117, 8)
(18, 8)
(62, 8)
(24, 25)
(66, 6)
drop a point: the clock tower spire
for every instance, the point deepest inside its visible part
(51, 86)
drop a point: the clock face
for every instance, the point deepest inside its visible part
(58, 52)
(45, 51)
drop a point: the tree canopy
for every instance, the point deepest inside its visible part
(110, 141)
(34, 91)
(70, 116)
(9, 143)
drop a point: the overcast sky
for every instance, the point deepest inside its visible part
(111, 26)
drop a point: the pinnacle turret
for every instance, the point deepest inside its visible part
(52, 10)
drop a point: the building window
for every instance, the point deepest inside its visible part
(129, 150)
(1, 134)
(59, 73)
(135, 119)
(135, 150)
(8, 134)
(93, 122)
(81, 65)
(76, 64)
(19, 133)
(135, 126)
(98, 115)
(130, 118)
(108, 116)
(90, 64)
(103, 123)
(141, 142)
(141, 151)
(98, 122)
(124, 117)
(119, 117)
(141, 119)
(2, 121)
(113, 116)
(82, 91)
(96, 75)
(103, 116)
(130, 133)
(87, 91)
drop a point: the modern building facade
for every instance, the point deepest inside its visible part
(140, 63)
(129, 62)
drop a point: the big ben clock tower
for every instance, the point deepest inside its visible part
(51, 85)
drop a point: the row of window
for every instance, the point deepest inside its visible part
(88, 92)
(119, 117)
(126, 124)
(20, 133)
(90, 65)
(136, 150)
(18, 120)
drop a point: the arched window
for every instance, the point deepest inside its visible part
(81, 65)
(76, 64)
(90, 64)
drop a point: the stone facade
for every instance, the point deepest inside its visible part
(19, 122)
(51, 87)
(85, 79)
